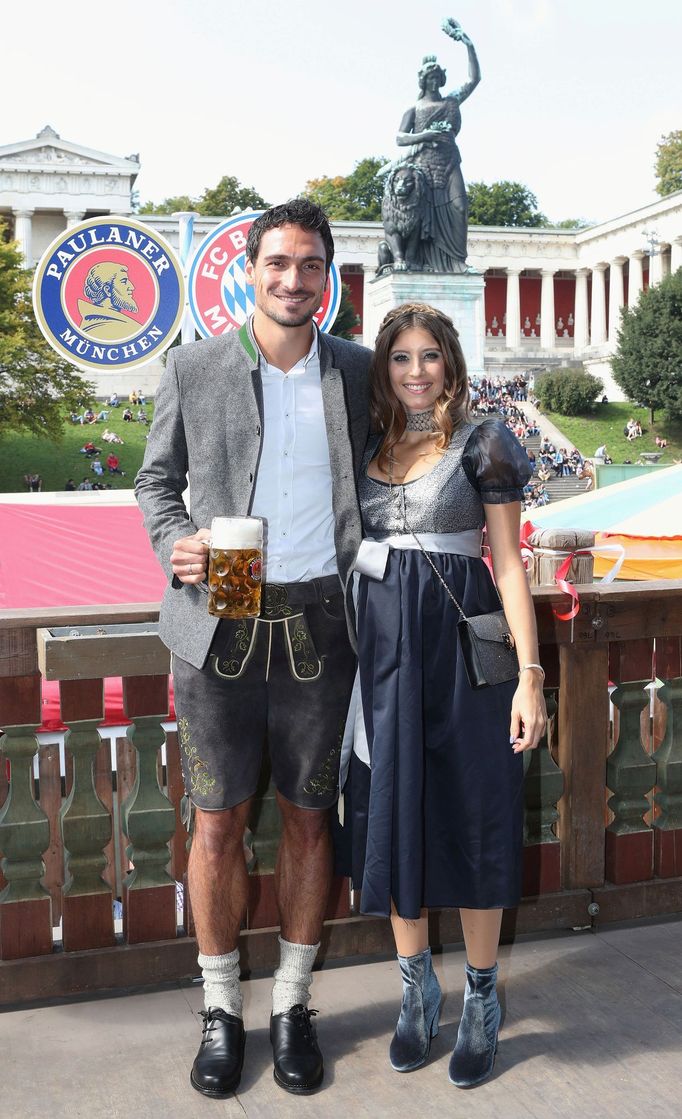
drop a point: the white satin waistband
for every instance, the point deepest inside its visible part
(372, 554)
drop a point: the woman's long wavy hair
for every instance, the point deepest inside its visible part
(452, 407)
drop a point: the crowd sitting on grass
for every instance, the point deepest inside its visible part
(87, 484)
(89, 417)
(101, 466)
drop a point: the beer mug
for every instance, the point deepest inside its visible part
(235, 562)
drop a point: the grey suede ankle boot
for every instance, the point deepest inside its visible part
(419, 1012)
(473, 1057)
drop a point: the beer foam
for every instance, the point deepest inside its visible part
(236, 532)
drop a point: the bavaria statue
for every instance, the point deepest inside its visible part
(424, 207)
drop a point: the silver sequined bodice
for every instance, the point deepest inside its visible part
(443, 500)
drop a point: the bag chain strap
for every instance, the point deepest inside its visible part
(433, 567)
(430, 562)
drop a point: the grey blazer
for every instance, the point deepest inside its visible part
(208, 423)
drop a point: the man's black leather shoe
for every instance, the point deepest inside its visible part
(218, 1064)
(298, 1061)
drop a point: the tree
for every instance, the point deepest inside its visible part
(228, 195)
(648, 361)
(36, 385)
(347, 317)
(503, 203)
(669, 163)
(169, 205)
(218, 201)
(569, 223)
(354, 197)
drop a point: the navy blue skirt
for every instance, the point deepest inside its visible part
(438, 820)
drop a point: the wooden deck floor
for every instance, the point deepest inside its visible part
(593, 1028)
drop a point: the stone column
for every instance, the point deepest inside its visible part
(636, 278)
(655, 270)
(581, 327)
(676, 254)
(513, 309)
(22, 233)
(616, 297)
(598, 317)
(73, 217)
(547, 323)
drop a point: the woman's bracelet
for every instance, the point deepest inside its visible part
(535, 667)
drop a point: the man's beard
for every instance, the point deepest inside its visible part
(120, 304)
(300, 320)
(305, 315)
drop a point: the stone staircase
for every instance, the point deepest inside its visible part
(557, 488)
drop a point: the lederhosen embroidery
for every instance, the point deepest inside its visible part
(238, 649)
(304, 662)
(239, 644)
(275, 602)
(200, 780)
(326, 780)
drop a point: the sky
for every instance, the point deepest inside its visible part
(573, 98)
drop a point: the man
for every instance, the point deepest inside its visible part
(271, 421)
(109, 289)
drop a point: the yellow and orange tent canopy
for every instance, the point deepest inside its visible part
(643, 514)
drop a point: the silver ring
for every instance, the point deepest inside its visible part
(190, 569)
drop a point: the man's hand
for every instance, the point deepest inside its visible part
(189, 558)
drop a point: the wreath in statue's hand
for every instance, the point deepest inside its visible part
(453, 30)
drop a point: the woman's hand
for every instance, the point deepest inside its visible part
(528, 714)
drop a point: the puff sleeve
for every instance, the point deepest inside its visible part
(495, 463)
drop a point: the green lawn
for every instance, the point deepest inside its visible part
(55, 462)
(606, 426)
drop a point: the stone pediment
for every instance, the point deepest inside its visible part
(49, 152)
(48, 155)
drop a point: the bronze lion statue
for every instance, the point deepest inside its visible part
(403, 212)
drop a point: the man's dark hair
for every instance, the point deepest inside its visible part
(297, 211)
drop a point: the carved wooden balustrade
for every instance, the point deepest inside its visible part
(103, 826)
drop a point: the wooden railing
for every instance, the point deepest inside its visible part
(603, 835)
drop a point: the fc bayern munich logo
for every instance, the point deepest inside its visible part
(220, 296)
(109, 294)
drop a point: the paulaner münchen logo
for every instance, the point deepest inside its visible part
(109, 294)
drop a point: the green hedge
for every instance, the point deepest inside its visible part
(572, 392)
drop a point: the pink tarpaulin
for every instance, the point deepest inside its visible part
(62, 555)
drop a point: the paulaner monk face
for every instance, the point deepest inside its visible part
(109, 285)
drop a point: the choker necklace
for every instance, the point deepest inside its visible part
(419, 421)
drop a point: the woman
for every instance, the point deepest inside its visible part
(428, 132)
(442, 819)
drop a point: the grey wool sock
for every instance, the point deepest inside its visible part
(293, 976)
(221, 982)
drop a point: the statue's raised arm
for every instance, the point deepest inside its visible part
(454, 31)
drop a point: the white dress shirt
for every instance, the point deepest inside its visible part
(293, 491)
